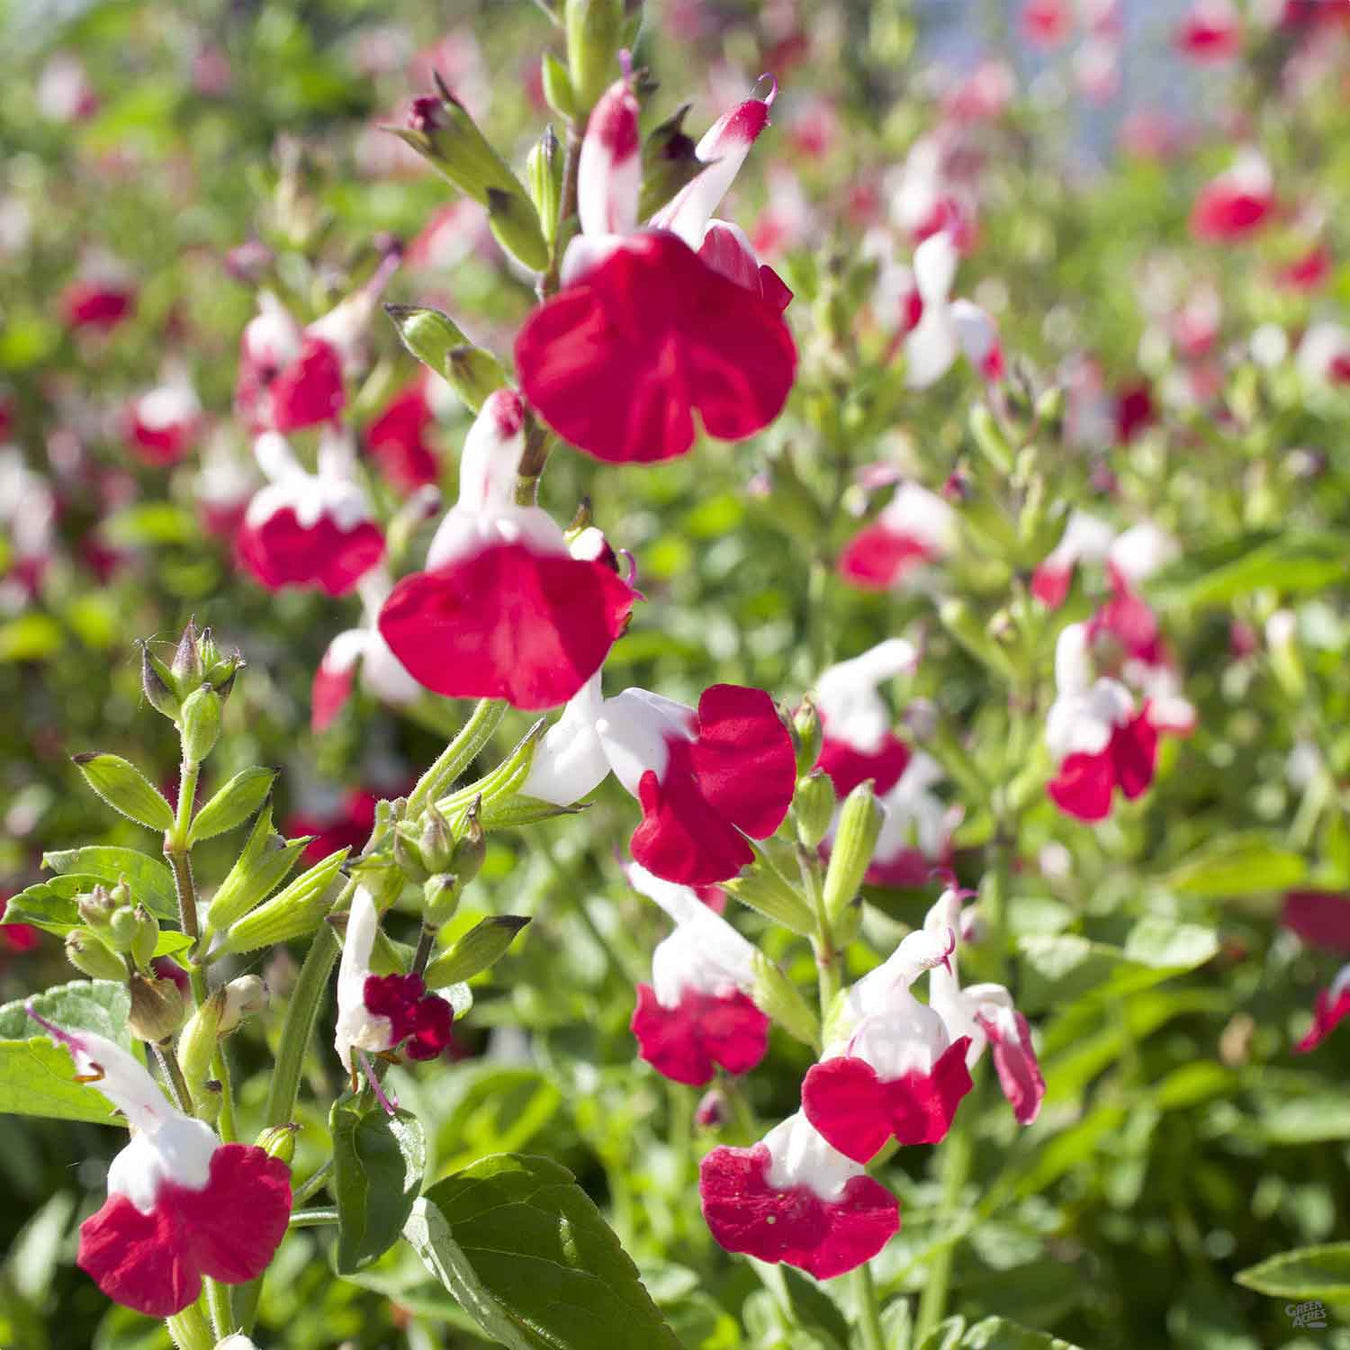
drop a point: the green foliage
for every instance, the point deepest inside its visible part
(378, 1164)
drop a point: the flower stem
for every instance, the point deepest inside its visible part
(222, 1312)
(189, 1330)
(957, 1154)
(458, 755)
(168, 1063)
(314, 1218)
(313, 1183)
(869, 1309)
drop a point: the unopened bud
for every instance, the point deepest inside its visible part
(243, 997)
(851, 855)
(807, 736)
(436, 843)
(557, 87)
(514, 223)
(813, 807)
(145, 937)
(199, 724)
(156, 1008)
(278, 1141)
(122, 928)
(472, 847)
(711, 1110)
(91, 956)
(440, 898)
(97, 908)
(407, 854)
(474, 375)
(157, 683)
(989, 438)
(781, 1001)
(595, 30)
(197, 1044)
(187, 661)
(1050, 408)
(544, 177)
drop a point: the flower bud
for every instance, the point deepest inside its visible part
(781, 1001)
(514, 223)
(557, 88)
(711, 1110)
(278, 1141)
(544, 177)
(807, 735)
(989, 438)
(266, 861)
(436, 844)
(474, 374)
(1050, 408)
(859, 825)
(199, 724)
(197, 1044)
(483, 945)
(441, 130)
(156, 1008)
(243, 997)
(766, 891)
(471, 849)
(291, 913)
(187, 661)
(440, 898)
(144, 938)
(407, 854)
(122, 927)
(813, 807)
(594, 31)
(97, 908)
(157, 683)
(91, 956)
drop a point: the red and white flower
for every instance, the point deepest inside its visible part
(705, 778)
(1323, 355)
(181, 1205)
(503, 610)
(1236, 203)
(28, 513)
(916, 827)
(947, 328)
(1046, 23)
(857, 741)
(793, 1198)
(1098, 739)
(1319, 918)
(1332, 1008)
(377, 1014)
(655, 327)
(697, 1014)
(890, 1069)
(224, 485)
(1086, 538)
(914, 530)
(309, 529)
(292, 377)
(397, 439)
(1211, 32)
(101, 297)
(984, 1014)
(382, 673)
(162, 424)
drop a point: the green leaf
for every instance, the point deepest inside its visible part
(1306, 1272)
(233, 804)
(150, 880)
(291, 913)
(126, 789)
(1062, 968)
(37, 1077)
(479, 948)
(1240, 864)
(528, 1256)
(1292, 562)
(378, 1164)
(997, 1333)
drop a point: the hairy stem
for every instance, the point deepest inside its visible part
(869, 1308)
(222, 1311)
(314, 1218)
(458, 755)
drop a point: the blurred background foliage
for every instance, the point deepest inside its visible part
(1180, 1142)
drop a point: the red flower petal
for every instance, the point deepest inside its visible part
(620, 362)
(229, 1230)
(282, 552)
(848, 767)
(877, 557)
(1050, 585)
(682, 838)
(1134, 753)
(1083, 786)
(160, 446)
(745, 1214)
(856, 1111)
(1224, 213)
(309, 390)
(329, 694)
(743, 758)
(420, 1018)
(1320, 918)
(1019, 1073)
(684, 1043)
(396, 440)
(507, 623)
(1326, 1016)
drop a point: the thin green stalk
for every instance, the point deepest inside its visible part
(222, 1313)
(226, 1124)
(458, 755)
(168, 1064)
(957, 1154)
(189, 1329)
(312, 1184)
(869, 1309)
(314, 1218)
